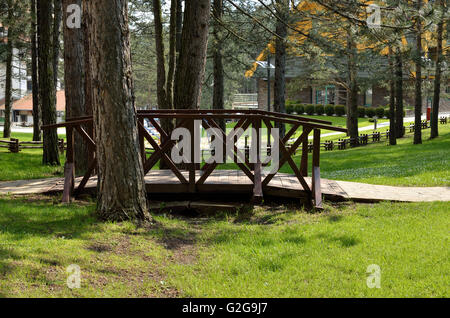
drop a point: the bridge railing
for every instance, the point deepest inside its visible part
(296, 136)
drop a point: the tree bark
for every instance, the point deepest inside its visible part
(191, 63)
(37, 122)
(88, 85)
(218, 89)
(280, 62)
(437, 80)
(179, 23)
(74, 83)
(47, 93)
(392, 126)
(8, 85)
(418, 89)
(352, 93)
(164, 89)
(172, 52)
(121, 185)
(399, 94)
(57, 16)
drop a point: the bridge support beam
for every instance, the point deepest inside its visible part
(316, 186)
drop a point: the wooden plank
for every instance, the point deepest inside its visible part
(257, 177)
(164, 156)
(86, 177)
(69, 167)
(142, 142)
(316, 186)
(69, 180)
(304, 159)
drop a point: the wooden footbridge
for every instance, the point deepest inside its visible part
(250, 178)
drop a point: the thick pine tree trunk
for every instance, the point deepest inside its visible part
(191, 63)
(88, 85)
(57, 16)
(437, 80)
(172, 52)
(399, 94)
(121, 186)
(280, 62)
(37, 122)
(74, 83)
(179, 28)
(418, 89)
(47, 93)
(352, 92)
(8, 85)
(218, 89)
(392, 127)
(160, 57)
(164, 85)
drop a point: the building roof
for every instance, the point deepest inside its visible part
(26, 103)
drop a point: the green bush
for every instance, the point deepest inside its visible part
(299, 109)
(361, 112)
(310, 109)
(289, 108)
(329, 110)
(320, 110)
(339, 110)
(387, 113)
(379, 112)
(370, 112)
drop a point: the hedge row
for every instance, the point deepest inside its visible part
(330, 110)
(310, 109)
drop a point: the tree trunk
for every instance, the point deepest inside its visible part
(172, 52)
(74, 83)
(160, 57)
(164, 100)
(179, 23)
(392, 127)
(57, 16)
(37, 122)
(121, 185)
(191, 63)
(437, 80)
(47, 94)
(88, 85)
(280, 62)
(8, 85)
(418, 100)
(218, 89)
(352, 92)
(399, 94)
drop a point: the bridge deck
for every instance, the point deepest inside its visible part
(229, 181)
(226, 182)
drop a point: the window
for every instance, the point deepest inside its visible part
(368, 97)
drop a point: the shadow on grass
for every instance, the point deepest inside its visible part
(20, 219)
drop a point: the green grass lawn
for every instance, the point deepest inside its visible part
(271, 252)
(27, 164)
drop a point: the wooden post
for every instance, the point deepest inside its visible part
(191, 165)
(304, 160)
(256, 142)
(316, 187)
(69, 167)
(14, 145)
(142, 141)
